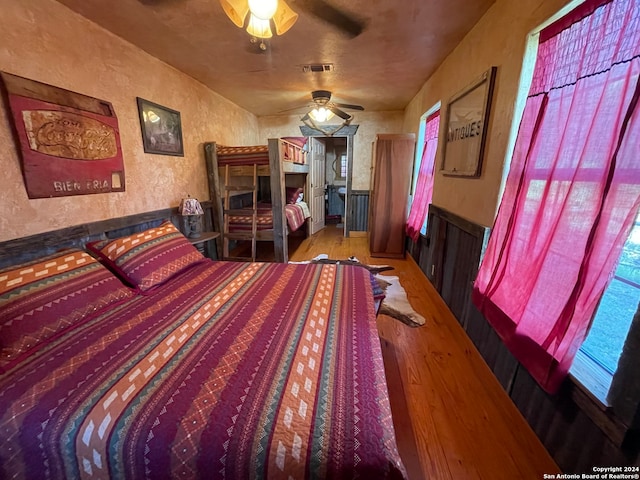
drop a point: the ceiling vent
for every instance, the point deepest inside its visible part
(318, 68)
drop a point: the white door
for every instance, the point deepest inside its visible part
(318, 179)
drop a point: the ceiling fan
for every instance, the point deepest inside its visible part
(323, 108)
(343, 21)
(259, 16)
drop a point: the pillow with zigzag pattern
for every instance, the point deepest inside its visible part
(147, 259)
(43, 298)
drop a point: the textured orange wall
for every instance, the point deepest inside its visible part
(498, 39)
(44, 41)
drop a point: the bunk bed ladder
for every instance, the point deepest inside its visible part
(227, 212)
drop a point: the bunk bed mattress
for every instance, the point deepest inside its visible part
(227, 370)
(259, 154)
(296, 215)
(237, 156)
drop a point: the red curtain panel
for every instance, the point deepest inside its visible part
(572, 192)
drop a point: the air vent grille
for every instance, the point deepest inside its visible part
(317, 68)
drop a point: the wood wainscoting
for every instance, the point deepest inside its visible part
(26, 248)
(570, 425)
(358, 211)
(449, 256)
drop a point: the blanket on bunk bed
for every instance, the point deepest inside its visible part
(203, 370)
(296, 215)
(292, 148)
(258, 154)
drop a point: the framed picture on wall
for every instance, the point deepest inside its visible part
(161, 129)
(466, 117)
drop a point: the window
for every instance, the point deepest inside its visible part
(572, 191)
(423, 188)
(617, 307)
(343, 165)
(340, 166)
(419, 152)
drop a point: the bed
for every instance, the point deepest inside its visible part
(283, 163)
(295, 214)
(147, 360)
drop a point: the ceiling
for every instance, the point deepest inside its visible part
(381, 69)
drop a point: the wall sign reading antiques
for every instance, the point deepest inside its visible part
(466, 120)
(69, 143)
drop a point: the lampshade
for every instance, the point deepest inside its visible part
(321, 114)
(236, 10)
(258, 27)
(190, 206)
(282, 17)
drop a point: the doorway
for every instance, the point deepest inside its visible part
(330, 182)
(336, 181)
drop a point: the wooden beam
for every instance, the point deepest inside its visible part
(214, 191)
(277, 202)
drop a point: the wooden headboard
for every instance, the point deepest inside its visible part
(26, 248)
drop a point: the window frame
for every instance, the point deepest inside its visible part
(419, 151)
(589, 381)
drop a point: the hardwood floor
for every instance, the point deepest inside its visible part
(452, 418)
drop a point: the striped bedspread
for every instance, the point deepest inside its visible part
(229, 370)
(295, 214)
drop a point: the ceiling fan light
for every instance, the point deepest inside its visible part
(284, 18)
(259, 28)
(263, 9)
(236, 10)
(321, 114)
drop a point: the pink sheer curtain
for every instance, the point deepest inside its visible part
(424, 184)
(572, 192)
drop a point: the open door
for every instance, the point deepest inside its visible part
(317, 181)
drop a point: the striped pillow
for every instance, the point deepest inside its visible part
(41, 298)
(149, 258)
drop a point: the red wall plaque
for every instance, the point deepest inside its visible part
(69, 143)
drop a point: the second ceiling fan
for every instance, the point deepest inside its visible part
(323, 108)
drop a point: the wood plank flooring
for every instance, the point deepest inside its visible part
(452, 418)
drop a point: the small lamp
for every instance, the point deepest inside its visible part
(192, 212)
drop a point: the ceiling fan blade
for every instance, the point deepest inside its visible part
(342, 20)
(349, 106)
(339, 113)
(299, 107)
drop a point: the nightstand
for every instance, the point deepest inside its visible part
(201, 241)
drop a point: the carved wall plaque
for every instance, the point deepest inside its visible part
(69, 143)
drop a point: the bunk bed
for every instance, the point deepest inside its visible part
(237, 170)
